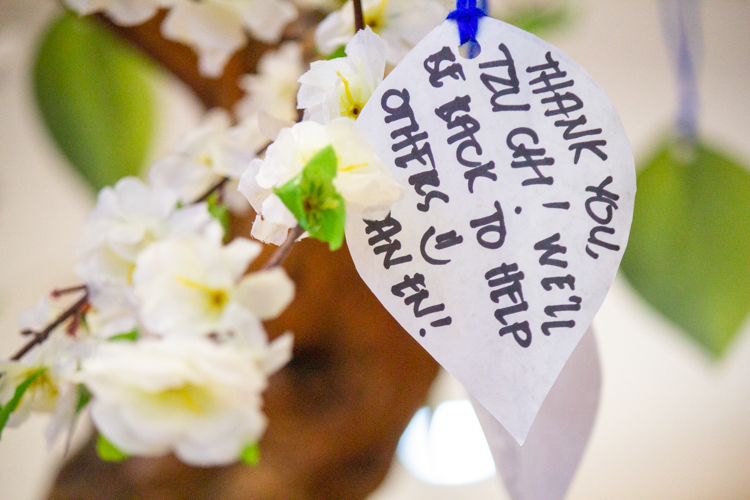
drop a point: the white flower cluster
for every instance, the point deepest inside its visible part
(215, 29)
(332, 94)
(167, 343)
(400, 23)
(170, 345)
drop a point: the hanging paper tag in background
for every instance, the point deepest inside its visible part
(520, 186)
(545, 465)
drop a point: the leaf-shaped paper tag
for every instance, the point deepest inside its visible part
(96, 100)
(543, 468)
(520, 186)
(689, 252)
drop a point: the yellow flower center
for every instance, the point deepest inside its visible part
(348, 105)
(375, 17)
(353, 167)
(131, 270)
(206, 159)
(188, 398)
(43, 384)
(215, 298)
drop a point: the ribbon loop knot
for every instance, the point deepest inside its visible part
(467, 16)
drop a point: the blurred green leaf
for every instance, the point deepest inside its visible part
(84, 397)
(96, 100)
(689, 248)
(109, 452)
(21, 389)
(220, 212)
(540, 19)
(340, 52)
(251, 454)
(130, 336)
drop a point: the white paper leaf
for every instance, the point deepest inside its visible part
(543, 468)
(520, 187)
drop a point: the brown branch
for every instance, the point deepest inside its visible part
(182, 61)
(59, 292)
(212, 190)
(264, 148)
(283, 251)
(359, 18)
(44, 334)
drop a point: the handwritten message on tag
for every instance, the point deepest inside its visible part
(521, 185)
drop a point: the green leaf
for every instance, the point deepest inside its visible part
(84, 397)
(109, 452)
(219, 211)
(95, 96)
(340, 52)
(130, 336)
(312, 198)
(322, 166)
(332, 224)
(251, 454)
(689, 248)
(539, 19)
(12, 405)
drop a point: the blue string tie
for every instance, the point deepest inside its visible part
(467, 15)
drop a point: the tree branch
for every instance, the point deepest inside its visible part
(220, 184)
(359, 18)
(283, 251)
(44, 334)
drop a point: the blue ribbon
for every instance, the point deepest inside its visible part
(467, 16)
(682, 29)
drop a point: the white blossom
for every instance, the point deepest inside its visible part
(193, 286)
(216, 28)
(362, 179)
(123, 12)
(38, 317)
(342, 86)
(204, 156)
(400, 23)
(274, 87)
(52, 391)
(197, 398)
(126, 219)
(112, 312)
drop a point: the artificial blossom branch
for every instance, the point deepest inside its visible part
(283, 251)
(216, 187)
(359, 18)
(40, 337)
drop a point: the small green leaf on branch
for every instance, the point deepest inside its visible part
(314, 201)
(84, 397)
(130, 336)
(109, 452)
(219, 211)
(340, 52)
(251, 454)
(12, 405)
